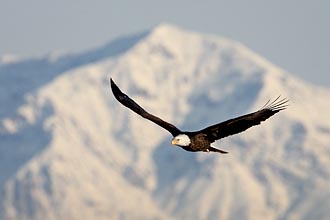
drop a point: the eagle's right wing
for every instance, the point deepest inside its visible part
(240, 124)
(131, 104)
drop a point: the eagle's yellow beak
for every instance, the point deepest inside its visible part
(174, 141)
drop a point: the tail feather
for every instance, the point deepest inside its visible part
(217, 150)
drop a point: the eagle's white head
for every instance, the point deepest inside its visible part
(181, 140)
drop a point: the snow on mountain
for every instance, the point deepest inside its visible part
(69, 150)
(8, 59)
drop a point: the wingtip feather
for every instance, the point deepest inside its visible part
(277, 104)
(114, 88)
(112, 83)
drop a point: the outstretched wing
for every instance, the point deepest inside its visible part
(240, 124)
(129, 103)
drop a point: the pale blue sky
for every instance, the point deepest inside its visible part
(293, 34)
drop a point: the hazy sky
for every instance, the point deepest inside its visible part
(293, 34)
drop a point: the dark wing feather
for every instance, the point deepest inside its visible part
(239, 124)
(129, 103)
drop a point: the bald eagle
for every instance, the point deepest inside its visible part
(201, 140)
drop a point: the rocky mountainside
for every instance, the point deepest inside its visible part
(69, 150)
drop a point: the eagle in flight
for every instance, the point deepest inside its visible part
(201, 140)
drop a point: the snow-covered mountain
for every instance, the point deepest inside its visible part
(69, 150)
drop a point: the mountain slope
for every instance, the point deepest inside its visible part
(68, 149)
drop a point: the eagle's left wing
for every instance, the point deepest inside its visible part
(131, 104)
(239, 124)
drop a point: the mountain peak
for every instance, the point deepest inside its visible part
(165, 28)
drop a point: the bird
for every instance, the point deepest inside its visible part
(202, 140)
